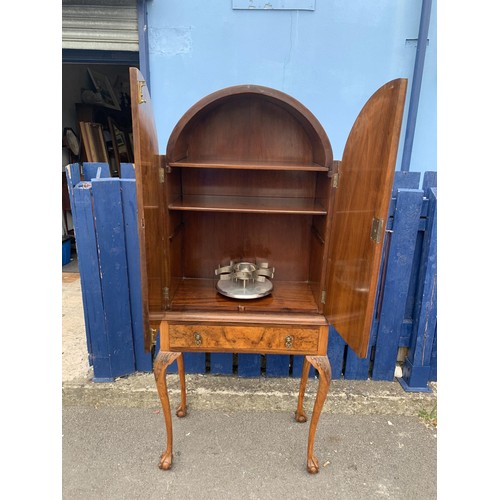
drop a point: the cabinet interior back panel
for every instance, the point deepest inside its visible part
(214, 238)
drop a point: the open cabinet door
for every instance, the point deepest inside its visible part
(360, 215)
(149, 200)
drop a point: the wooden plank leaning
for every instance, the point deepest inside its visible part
(417, 366)
(143, 359)
(88, 263)
(110, 233)
(73, 178)
(397, 281)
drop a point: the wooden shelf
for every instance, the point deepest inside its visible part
(251, 165)
(249, 204)
(201, 294)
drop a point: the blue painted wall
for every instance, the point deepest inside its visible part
(331, 59)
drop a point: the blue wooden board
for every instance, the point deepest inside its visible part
(417, 366)
(88, 263)
(397, 281)
(221, 363)
(76, 213)
(414, 279)
(195, 362)
(429, 181)
(406, 328)
(249, 365)
(356, 368)
(336, 353)
(405, 180)
(127, 171)
(73, 178)
(277, 365)
(402, 180)
(95, 169)
(110, 234)
(433, 373)
(143, 359)
(297, 364)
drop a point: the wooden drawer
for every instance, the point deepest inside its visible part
(257, 339)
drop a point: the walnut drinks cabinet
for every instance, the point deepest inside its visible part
(249, 175)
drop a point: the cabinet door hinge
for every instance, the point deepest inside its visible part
(335, 180)
(323, 297)
(377, 230)
(162, 174)
(152, 336)
(141, 84)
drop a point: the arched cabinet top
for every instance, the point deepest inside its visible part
(250, 125)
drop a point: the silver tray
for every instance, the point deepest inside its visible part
(236, 290)
(245, 280)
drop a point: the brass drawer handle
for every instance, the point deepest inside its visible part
(197, 338)
(288, 341)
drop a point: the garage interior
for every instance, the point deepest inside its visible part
(100, 42)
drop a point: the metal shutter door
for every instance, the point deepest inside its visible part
(100, 25)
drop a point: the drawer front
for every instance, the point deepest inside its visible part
(257, 339)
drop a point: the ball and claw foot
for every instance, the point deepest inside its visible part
(181, 411)
(313, 465)
(165, 461)
(300, 417)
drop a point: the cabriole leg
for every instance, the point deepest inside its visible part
(300, 416)
(182, 408)
(322, 364)
(163, 359)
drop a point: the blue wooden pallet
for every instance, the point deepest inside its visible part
(399, 263)
(104, 211)
(402, 296)
(418, 367)
(105, 219)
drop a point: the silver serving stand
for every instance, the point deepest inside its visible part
(245, 280)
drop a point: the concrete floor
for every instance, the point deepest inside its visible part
(111, 453)
(239, 439)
